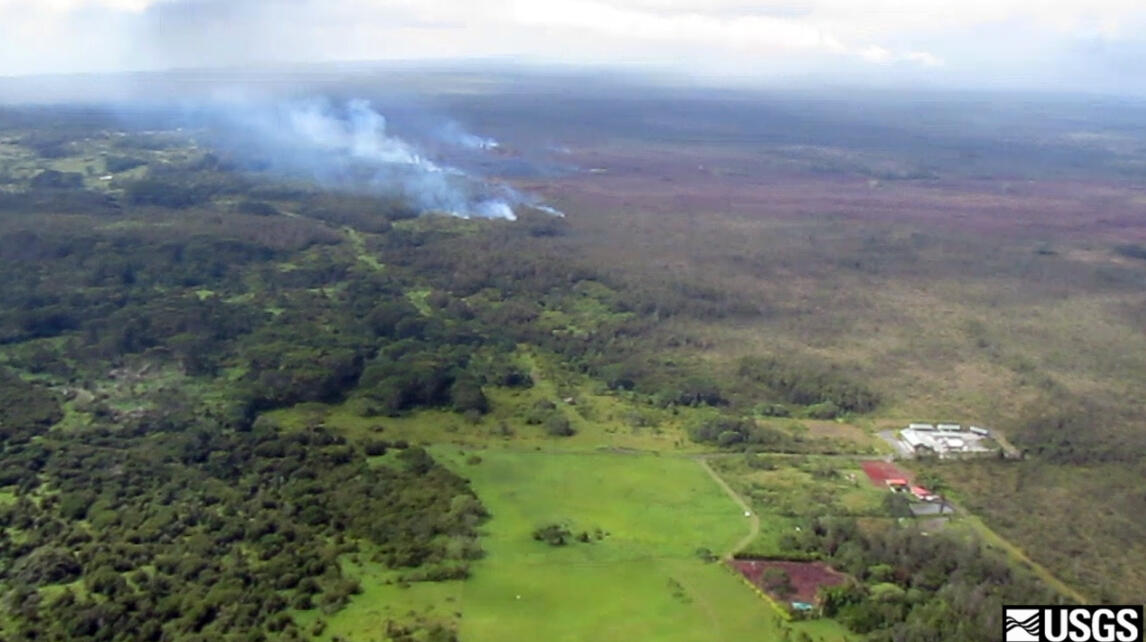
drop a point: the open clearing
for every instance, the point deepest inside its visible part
(806, 577)
(786, 491)
(642, 581)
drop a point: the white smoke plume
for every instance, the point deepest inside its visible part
(453, 134)
(348, 146)
(550, 210)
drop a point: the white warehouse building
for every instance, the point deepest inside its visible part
(945, 440)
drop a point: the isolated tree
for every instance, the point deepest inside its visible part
(552, 534)
(558, 426)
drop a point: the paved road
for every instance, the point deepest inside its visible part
(753, 518)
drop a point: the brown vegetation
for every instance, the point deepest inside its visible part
(804, 578)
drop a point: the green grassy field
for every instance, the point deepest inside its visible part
(642, 580)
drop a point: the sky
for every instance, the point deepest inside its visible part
(1096, 45)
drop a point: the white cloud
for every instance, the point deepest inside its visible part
(64, 6)
(923, 58)
(751, 33)
(947, 37)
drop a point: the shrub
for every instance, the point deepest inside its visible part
(552, 534)
(539, 412)
(375, 447)
(773, 410)
(558, 426)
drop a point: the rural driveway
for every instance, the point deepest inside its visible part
(754, 519)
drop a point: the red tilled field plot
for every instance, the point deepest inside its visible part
(805, 577)
(881, 471)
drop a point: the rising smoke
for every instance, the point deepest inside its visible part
(347, 146)
(454, 134)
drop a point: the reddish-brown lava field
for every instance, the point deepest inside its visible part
(728, 183)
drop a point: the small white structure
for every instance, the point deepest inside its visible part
(944, 440)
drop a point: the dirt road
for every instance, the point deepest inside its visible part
(753, 518)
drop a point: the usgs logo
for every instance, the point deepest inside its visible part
(1072, 624)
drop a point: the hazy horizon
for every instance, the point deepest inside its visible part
(1066, 46)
